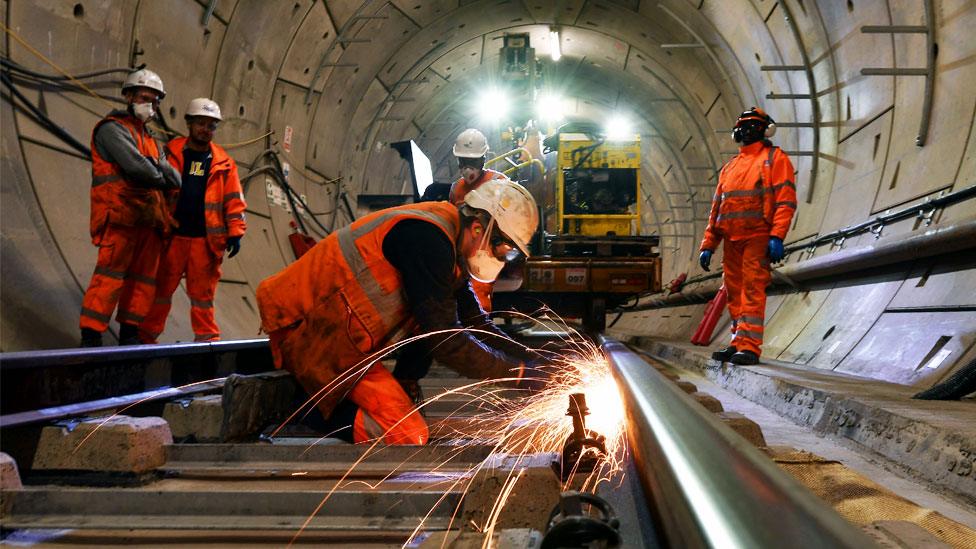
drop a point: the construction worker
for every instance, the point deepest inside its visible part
(209, 212)
(751, 212)
(403, 270)
(128, 212)
(471, 150)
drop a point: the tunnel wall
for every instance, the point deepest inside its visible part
(343, 79)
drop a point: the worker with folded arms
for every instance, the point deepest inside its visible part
(129, 217)
(751, 212)
(403, 270)
(209, 212)
(471, 151)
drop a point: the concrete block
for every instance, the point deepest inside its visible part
(687, 386)
(199, 417)
(746, 428)
(708, 401)
(119, 444)
(252, 402)
(531, 498)
(9, 476)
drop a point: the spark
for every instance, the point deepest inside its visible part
(516, 427)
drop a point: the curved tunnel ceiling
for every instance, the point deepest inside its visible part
(346, 78)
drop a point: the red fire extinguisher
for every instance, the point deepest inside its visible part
(712, 313)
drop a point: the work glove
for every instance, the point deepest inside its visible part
(705, 259)
(775, 249)
(536, 375)
(233, 245)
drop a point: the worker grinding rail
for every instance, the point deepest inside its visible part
(129, 217)
(751, 212)
(209, 212)
(395, 272)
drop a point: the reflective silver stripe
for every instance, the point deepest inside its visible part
(216, 230)
(787, 204)
(201, 304)
(749, 214)
(387, 304)
(213, 206)
(163, 300)
(105, 271)
(95, 314)
(772, 153)
(143, 279)
(784, 184)
(126, 315)
(235, 216)
(102, 179)
(371, 426)
(751, 192)
(752, 320)
(749, 333)
(231, 196)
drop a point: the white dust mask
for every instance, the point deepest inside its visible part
(143, 111)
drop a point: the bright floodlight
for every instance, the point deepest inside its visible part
(618, 128)
(493, 105)
(554, 50)
(550, 107)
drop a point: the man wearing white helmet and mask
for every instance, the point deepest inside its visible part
(129, 217)
(209, 212)
(402, 270)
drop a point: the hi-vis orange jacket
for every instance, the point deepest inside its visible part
(223, 201)
(327, 313)
(755, 196)
(117, 200)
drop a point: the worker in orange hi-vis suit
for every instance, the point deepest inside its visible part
(331, 314)
(471, 150)
(751, 212)
(129, 217)
(209, 210)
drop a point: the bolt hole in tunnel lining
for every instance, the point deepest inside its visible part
(79, 11)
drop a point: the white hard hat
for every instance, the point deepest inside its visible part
(145, 78)
(511, 206)
(201, 106)
(471, 144)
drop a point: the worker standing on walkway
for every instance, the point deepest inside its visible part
(129, 217)
(751, 212)
(397, 271)
(471, 150)
(209, 211)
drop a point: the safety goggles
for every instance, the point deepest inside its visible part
(211, 125)
(502, 246)
(476, 163)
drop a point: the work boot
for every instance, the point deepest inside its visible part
(128, 334)
(90, 338)
(724, 355)
(745, 358)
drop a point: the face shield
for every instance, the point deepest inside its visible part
(493, 251)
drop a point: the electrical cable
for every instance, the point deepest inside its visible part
(13, 65)
(49, 124)
(290, 194)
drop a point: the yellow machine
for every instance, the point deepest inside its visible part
(591, 256)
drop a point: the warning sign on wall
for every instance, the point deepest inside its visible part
(286, 142)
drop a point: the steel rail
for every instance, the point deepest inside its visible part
(709, 486)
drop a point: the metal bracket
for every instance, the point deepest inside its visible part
(876, 230)
(928, 71)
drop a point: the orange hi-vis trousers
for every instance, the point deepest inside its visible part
(385, 410)
(746, 272)
(190, 256)
(125, 275)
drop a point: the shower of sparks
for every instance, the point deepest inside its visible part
(517, 423)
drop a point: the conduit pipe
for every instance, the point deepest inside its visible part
(841, 265)
(709, 486)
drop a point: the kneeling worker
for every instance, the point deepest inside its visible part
(332, 312)
(209, 211)
(752, 209)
